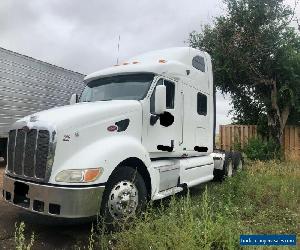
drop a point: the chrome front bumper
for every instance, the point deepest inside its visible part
(58, 201)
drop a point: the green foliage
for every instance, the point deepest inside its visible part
(237, 146)
(256, 58)
(262, 127)
(264, 199)
(20, 240)
(91, 239)
(263, 150)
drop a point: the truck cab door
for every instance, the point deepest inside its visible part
(162, 136)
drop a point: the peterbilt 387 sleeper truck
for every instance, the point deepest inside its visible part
(142, 130)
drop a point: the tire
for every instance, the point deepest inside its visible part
(125, 194)
(227, 171)
(238, 161)
(2, 147)
(228, 165)
(218, 175)
(3, 150)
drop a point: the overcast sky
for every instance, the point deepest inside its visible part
(83, 35)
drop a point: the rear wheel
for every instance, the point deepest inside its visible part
(228, 165)
(3, 151)
(228, 170)
(125, 194)
(238, 161)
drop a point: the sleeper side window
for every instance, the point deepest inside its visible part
(201, 104)
(170, 94)
(199, 63)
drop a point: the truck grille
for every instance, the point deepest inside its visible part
(28, 153)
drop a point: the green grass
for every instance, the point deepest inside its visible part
(263, 199)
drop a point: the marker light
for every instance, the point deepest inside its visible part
(135, 62)
(125, 63)
(91, 174)
(162, 61)
(79, 175)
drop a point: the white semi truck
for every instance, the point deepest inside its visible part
(140, 131)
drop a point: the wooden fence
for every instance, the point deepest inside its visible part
(231, 134)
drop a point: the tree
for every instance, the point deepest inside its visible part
(256, 58)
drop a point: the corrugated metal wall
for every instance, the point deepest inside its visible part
(28, 85)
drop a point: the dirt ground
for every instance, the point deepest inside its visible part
(50, 233)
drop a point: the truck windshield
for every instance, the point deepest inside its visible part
(122, 87)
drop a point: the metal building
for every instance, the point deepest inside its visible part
(28, 85)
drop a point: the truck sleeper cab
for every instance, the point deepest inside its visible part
(141, 130)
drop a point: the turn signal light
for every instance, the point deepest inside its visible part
(91, 174)
(79, 175)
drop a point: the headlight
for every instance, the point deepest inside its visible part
(78, 175)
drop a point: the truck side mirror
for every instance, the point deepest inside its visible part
(73, 99)
(160, 99)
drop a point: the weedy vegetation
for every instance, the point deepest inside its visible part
(262, 199)
(263, 150)
(20, 241)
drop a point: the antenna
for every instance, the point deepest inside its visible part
(118, 49)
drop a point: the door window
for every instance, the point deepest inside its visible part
(201, 104)
(170, 86)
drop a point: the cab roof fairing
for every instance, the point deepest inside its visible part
(176, 63)
(172, 69)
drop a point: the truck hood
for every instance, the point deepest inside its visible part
(79, 114)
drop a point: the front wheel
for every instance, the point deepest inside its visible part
(124, 195)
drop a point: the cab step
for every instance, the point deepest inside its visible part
(167, 192)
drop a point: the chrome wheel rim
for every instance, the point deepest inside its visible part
(123, 200)
(229, 174)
